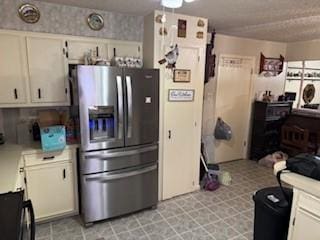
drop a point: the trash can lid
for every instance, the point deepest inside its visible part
(273, 200)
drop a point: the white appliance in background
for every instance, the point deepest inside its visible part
(118, 111)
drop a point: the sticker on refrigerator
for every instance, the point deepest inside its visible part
(148, 100)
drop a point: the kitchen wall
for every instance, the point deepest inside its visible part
(61, 19)
(243, 47)
(307, 50)
(17, 122)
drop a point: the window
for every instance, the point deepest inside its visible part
(303, 79)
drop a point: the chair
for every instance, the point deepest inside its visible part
(295, 140)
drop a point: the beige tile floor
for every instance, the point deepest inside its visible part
(225, 214)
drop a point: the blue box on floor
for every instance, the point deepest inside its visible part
(53, 138)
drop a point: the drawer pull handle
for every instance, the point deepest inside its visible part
(39, 93)
(48, 158)
(64, 174)
(15, 93)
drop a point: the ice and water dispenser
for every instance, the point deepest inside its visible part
(101, 123)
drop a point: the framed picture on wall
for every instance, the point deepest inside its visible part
(182, 75)
(182, 28)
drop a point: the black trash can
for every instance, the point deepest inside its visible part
(272, 213)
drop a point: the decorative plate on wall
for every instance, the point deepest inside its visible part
(95, 21)
(308, 93)
(29, 13)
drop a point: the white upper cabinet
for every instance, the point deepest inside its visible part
(12, 69)
(78, 48)
(34, 66)
(124, 49)
(47, 70)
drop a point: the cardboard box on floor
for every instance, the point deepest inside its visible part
(49, 118)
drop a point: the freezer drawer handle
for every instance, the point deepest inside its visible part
(48, 158)
(109, 177)
(105, 156)
(129, 99)
(120, 106)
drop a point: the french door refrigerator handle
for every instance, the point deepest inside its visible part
(109, 177)
(129, 104)
(106, 155)
(120, 106)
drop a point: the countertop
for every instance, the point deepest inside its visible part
(10, 156)
(298, 181)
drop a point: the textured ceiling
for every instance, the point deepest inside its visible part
(276, 20)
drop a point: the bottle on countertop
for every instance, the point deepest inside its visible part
(70, 131)
(36, 131)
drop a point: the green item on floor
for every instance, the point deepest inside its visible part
(224, 178)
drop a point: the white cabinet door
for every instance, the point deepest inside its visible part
(234, 79)
(307, 226)
(121, 49)
(77, 49)
(51, 189)
(12, 69)
(181, 154)
(47, 70)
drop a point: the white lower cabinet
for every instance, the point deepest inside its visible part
(306, 226)
(305, 217)
(51, 185)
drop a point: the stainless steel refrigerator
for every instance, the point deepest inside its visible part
(119, 126)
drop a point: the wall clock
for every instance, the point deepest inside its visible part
(95, 21)
(29, 13)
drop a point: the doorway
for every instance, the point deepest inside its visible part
(233, 105)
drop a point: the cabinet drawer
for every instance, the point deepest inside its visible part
(309, 203)
(44, 158)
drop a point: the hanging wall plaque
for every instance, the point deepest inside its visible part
(200, 35)
(181, 95)
(182, 28)
(200, 23)
(181, 75)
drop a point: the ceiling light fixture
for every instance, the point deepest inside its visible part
(174, 3)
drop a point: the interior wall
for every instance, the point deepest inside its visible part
(244, 47)
(307, 50)
(16, 117)
(62, 19)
